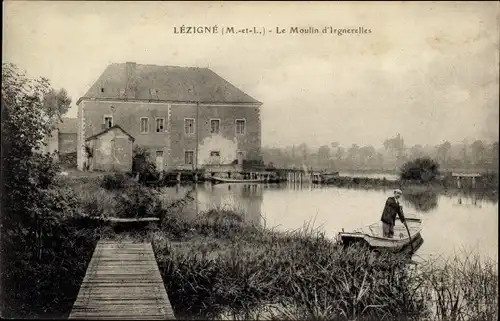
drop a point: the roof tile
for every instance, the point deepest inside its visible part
(165, 83)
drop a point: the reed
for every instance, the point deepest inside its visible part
(47, 286)
(226, 268)
(463, 287)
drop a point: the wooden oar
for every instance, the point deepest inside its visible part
(407, 230)
(409, 235)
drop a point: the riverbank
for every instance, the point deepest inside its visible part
(218, 265)
(488, 190)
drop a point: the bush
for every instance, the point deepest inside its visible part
(139, 201)
(143, 165)
(98, 202)
(115, 181)
(68, 160)
(420, 169)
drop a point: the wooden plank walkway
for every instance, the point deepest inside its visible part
(122, 282)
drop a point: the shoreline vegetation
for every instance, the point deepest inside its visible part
(219, 266)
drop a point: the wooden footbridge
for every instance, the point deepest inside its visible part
(122, 282)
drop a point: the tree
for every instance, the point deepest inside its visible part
(478, 151)
(442, 152)
(353, 155)
(494, 155)
(55, 104)
(303, 150)
(416, 151)
(367, 155)
(465, 154)
(422, 169)
(30, 203)
(340, 153)
(323, 156)
(396, 146)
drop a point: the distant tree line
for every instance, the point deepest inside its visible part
(475, 155)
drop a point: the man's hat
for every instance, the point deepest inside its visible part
(398, 192)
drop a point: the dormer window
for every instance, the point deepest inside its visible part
(154, 93)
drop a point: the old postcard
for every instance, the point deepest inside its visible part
(250, 160)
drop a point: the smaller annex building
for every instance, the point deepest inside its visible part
(110, 150)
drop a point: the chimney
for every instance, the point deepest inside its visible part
(131, 80)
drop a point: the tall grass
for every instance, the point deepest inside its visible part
(463, 287)
(225, 267)
(47, 286)
(304, 271)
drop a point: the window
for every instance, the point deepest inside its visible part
(214, 153)
(188, 126)
(153, 93)
(159, 153)
(108, 121)
(144, 124)
(240, 126)
(160, 125)
(188, 157)
(215, 126)
(102, 90)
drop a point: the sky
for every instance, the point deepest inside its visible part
(429, 71)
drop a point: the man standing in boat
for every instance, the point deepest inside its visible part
(391, 209)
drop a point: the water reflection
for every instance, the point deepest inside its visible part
(471, 201)
(423, 201)
(447, 219)
(245, 199)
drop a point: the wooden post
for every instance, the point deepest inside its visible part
(458, 182)
(178, 177)
(473, 181)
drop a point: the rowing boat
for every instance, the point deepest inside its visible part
(372, 236)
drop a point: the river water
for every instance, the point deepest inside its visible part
(450, 223)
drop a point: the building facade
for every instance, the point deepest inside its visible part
(187, 118)
(63, 142)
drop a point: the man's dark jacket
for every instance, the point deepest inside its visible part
(391, 209)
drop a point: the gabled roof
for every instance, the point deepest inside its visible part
(68, 125)
(109, 129)
(166, 83)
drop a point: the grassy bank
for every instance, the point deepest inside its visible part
(488, 189)
(116, 195)
(217, 265)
